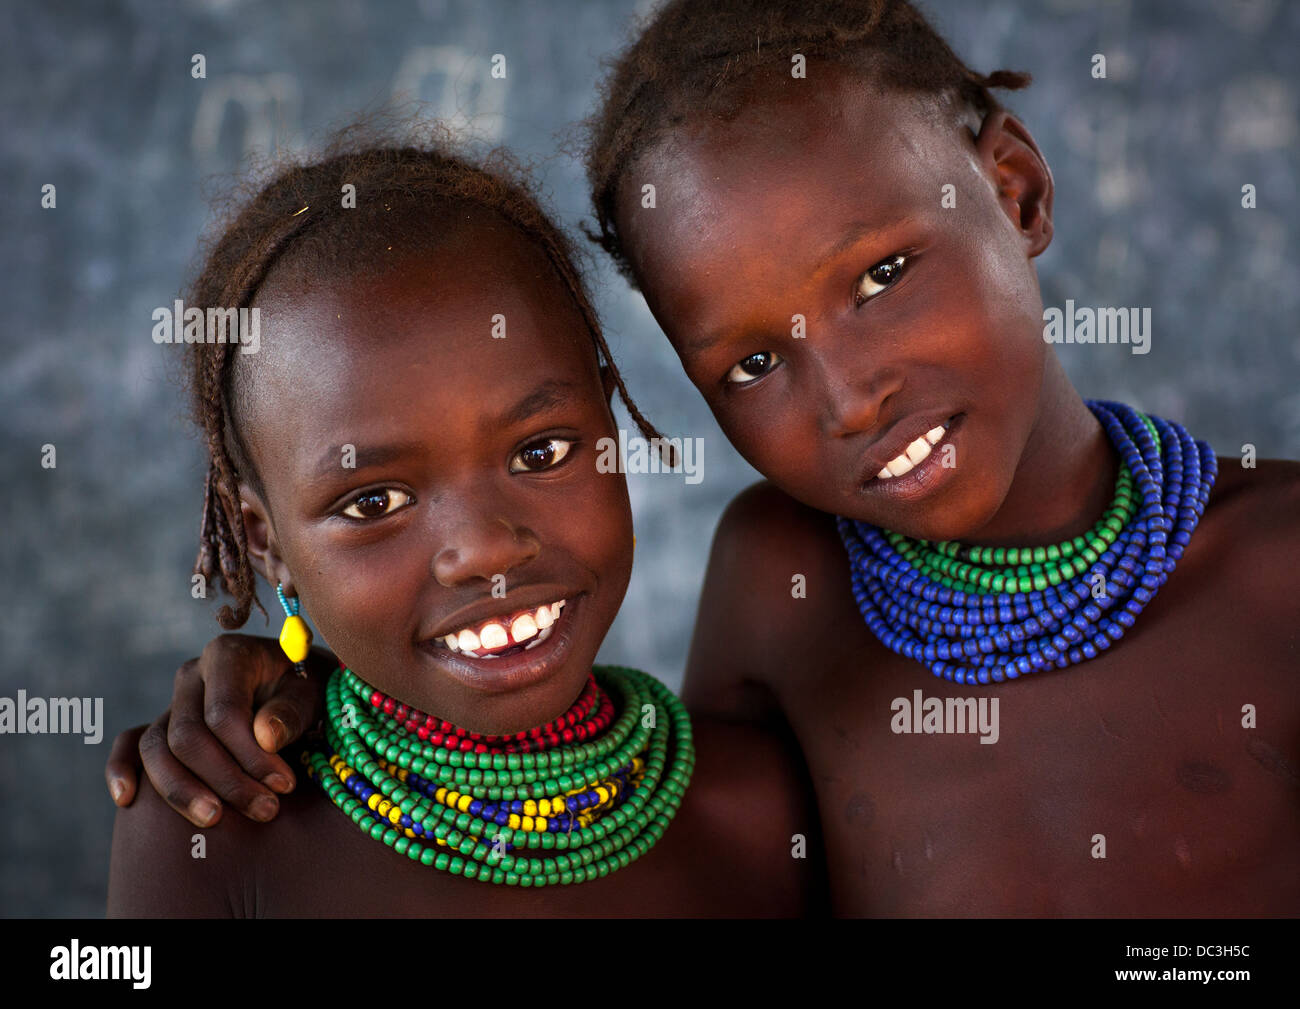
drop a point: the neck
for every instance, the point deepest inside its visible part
(1066, 475)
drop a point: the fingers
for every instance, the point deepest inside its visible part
(122, 771)
(209, 729)
(180, 789)
(222, 705)
(295, 706)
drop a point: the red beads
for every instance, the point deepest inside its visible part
(590, 715)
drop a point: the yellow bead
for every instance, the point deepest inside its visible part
(395, 815)
(530, 807)
(374, 800)
(462, 804)
(544, 807)
(513, 822)
(539, 824)
(295, 638)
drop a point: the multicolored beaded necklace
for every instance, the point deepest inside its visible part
(977, 615)
(567, 802)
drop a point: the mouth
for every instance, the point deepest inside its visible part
(916, 465)
(512, 650)
(508, 634)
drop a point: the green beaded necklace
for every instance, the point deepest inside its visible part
(568, 814)
(990, 570)
(1026, 569)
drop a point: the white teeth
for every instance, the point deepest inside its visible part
(914, 454)
(898, 466)
(918, 450)
(493, 636)
(540, 638)
(533, 627)
(523, 628)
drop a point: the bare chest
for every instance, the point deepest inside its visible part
(1158, 779)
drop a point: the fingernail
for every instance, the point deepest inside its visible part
(264, 808)
(117, 788)
(203, 810)
(279, 730)
(278, 783)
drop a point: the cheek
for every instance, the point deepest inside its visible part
(997, 310)
(361, 599)
(600, 529)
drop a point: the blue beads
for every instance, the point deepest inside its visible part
(977, 639)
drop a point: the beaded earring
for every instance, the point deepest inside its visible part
(295, 635)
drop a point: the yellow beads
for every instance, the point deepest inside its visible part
(295, 638)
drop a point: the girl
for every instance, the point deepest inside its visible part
(949, 501)
(408, 456)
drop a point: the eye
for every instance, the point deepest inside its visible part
(753, 367)
(878, 277)
(377, 503)
(540, 455)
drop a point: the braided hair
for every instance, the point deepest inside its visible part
(689, 57)
(296, 224)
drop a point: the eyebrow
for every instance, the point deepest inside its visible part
(547, 396)
(366, 456)
(854, 234)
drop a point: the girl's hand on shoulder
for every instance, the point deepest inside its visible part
(208, 746)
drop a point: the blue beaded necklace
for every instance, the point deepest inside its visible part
(981, 637)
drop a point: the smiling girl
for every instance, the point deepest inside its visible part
(426, 491)
(966, 525)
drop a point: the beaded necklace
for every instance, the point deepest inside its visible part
(593, 790)
(977, 615)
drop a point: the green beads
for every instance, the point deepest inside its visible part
(993, 570)
(636, 773)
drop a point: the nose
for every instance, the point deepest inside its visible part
(854, 395)
(483, 549)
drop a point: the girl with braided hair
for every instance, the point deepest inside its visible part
(835, 223)
(423, 484)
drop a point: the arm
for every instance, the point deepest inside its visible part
(750, 620)
(154, 871)
(208, 745)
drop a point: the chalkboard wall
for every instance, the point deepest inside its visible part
(1199, 100)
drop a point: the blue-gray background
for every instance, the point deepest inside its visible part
(1200, 99)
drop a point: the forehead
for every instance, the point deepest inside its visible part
(448, 330)
(801, 159)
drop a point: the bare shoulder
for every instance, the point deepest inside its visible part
(764, 529)
(1253, 522)
(773, 565)
(750, 816)
(162, 866)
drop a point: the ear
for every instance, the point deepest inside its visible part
(1024, 182)
(607, 382)
(259, 534)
